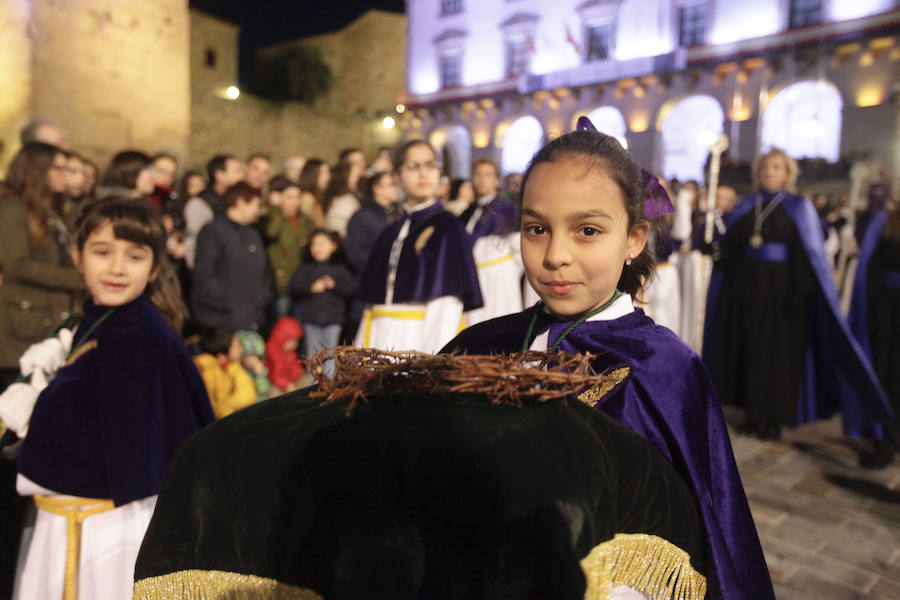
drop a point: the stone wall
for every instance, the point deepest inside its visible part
(114, 74)
(15, 75)
(367, 58)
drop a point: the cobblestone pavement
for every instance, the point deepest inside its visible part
(829, 528)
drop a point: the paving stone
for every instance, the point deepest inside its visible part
(884, 590)
(818, 585)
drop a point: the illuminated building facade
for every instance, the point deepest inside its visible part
(496, 78)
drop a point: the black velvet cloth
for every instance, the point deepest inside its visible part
(423, 497)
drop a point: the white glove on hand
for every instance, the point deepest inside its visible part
(16, 406)
(43, 360)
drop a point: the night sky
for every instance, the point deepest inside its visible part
(266, 22)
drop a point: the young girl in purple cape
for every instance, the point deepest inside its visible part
(587, 210)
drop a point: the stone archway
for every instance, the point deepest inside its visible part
(454, 145)
(688, 130)
(804, 120)
(521, 140)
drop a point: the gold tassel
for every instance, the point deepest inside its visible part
(197, 584)
(646, 563)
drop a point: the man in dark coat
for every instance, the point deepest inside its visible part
(231, 283)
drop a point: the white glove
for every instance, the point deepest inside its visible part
(46, 356)
(16, 406)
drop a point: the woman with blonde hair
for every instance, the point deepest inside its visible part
(776, 342)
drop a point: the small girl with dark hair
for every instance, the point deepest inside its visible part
(587, 210)
(102, 432)
(322, 286)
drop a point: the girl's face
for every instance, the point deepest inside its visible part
(115, 271)
(575, 235)
(773, 174)
(145, 182)
(57, 174)
(420, 174)
(195, 185)
(466, 191)
(75, 181)
(290, 201)
(324, 177)
(321, 247)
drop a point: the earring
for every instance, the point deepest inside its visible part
(628, 260)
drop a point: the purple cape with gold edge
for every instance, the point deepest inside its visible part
(110, 422)
(668, 399)
(838, 375)
(499, 215)
(436, 260)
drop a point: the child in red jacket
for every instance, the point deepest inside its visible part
(281, 354)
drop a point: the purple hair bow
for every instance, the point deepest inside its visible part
(656, 201)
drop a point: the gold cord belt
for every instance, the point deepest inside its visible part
(75, 510)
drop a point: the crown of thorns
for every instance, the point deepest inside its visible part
(513, 379)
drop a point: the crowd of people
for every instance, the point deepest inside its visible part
(194, 295)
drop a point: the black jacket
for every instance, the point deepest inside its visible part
(363, 229)
(231, 280)
(325, 308)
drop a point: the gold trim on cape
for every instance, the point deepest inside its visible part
(196, 584)
(609, 381)
(651, 565)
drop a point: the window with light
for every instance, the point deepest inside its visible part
(599, 39)
(451, 70)
(451, 7)
(805, 12)
(692, 21)
(517, 54)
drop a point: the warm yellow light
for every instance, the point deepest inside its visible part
(866, 59)
(389, 122)
(232, 92)
(639, 91)
(499, 132)
(869, 96)
(639, 122)
(401, 108)
(481, 139)
(740, 113)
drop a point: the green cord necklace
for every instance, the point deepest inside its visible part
(568, 330)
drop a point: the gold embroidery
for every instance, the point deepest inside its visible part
(496, 261)
(423, 238)
(75, 510)
(83, 349)
(195, 584)
(646, 563)
(609, 381)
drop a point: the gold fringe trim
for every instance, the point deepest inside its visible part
(81, 351)
(649, 564)
(609, 381)
(196, 584)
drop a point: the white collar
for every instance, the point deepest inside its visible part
(622, 306)
(420, 207)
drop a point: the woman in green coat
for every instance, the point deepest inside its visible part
(38, 277)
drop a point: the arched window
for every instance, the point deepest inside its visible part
(523, 138)
(454, 145)
(804, 120)
(688, 131)
(609, 120)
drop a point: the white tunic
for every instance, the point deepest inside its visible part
(500, 271)
(662, 295)
(110, 542)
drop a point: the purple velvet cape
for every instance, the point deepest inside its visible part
(669, 399)
(443, 266)
(858, 317)
(110, 422)
(838, 375)
(499, 215)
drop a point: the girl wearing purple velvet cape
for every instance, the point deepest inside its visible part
(586, 215)
(126, 395)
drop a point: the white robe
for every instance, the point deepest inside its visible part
(500, 271)
(662, 294)
(110, 542)
(426, 327)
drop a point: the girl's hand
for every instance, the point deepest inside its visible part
(329, 281)
(318, 286)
